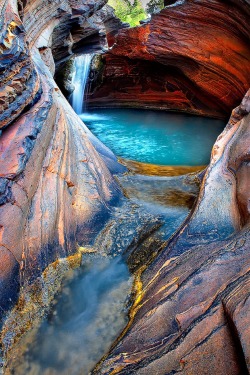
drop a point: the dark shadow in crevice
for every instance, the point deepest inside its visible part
(237, 343)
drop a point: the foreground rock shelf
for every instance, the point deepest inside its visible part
(59, 196)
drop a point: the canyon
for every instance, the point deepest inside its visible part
(64, 194)
(192, 57)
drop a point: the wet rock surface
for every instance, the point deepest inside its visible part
(55, 190)
(190, 312)
(136, 232)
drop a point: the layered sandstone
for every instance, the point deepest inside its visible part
(191, 308)
(55, 189)
(190, 312)
(193, 56)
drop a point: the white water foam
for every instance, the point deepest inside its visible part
(80, 77)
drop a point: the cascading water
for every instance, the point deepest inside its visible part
(80, 77)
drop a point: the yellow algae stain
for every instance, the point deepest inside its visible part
(87, 250)
(166, 264)
(117, 370)
(75, 259)
(160, 170)
(34, 301)
(138, 293)
(174, 281)
(7, 42)
(12, 25)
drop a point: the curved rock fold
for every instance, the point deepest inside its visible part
(56, 191)
(193, 56)
(190, 312)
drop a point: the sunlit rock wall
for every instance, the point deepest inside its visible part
(193, 56)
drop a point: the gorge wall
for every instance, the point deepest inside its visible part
(193, 56)
(55, 189)
(190, 312)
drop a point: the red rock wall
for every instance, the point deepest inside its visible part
(193, 56)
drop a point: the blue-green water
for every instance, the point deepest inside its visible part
(155, 137)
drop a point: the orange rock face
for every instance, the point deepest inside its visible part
(191, 309)
(193, 56)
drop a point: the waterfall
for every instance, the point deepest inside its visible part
(80, 77)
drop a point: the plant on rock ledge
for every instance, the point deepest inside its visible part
(127, 12)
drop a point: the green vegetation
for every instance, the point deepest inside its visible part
(131, 14)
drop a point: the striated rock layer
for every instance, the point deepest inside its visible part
(193, 56)
(55, 189)
(191, 303)
(191, 309)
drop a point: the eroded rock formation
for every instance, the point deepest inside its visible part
(191, 309)
(193, 56)
(55, 189)
(190, 312)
